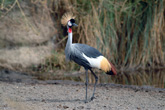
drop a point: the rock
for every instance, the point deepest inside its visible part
(65, 107)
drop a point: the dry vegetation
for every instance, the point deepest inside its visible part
(128, 32)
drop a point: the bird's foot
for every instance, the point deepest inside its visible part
(86, 101)
(92, 98)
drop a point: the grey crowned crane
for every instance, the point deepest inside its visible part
(85, 55)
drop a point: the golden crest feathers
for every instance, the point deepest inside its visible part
(66, 17)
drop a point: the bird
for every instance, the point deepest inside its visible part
(85, 55)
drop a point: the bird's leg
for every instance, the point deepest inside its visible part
(86, 83)
(96, 78)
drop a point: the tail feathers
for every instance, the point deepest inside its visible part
(112, 71)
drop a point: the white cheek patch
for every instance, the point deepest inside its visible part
(94, 62)
(69, 23)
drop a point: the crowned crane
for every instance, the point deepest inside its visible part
(85, 55)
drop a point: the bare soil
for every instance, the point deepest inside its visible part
(27, 93)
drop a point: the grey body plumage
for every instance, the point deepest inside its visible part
(75, 53)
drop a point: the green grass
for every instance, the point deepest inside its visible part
(5, 3)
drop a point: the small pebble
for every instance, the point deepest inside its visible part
(65, 107)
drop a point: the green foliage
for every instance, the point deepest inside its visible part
(6, 6)
(6, 3)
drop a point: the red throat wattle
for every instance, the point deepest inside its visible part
(70, 30)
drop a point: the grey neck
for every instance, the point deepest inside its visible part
(68, 44)
(69, 41)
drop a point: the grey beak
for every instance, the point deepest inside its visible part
(74, 24)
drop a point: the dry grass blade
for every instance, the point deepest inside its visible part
(8, 10)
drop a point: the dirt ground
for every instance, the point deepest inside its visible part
(22, 96)
(19, 91)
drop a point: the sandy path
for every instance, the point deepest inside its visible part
(21, 96)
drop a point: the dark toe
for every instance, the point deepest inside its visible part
(92, 98)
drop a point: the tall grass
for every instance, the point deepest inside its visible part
(128, 32)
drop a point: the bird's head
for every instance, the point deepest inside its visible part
(71, 23)
(68, 20)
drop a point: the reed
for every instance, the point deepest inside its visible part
(129, 33)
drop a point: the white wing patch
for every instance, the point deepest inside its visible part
(94, 62)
